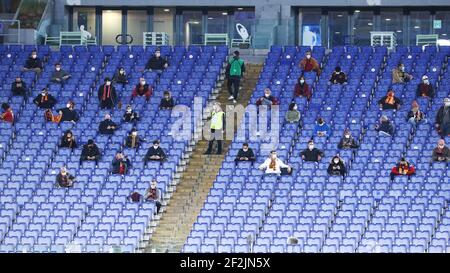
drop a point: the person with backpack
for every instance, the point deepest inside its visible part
(235, 70)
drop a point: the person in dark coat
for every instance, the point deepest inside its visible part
(385, 126)
(64, 179)
(425, 88)
(338, 77)
(133, 139)
(33, 63)
(245, 154)
(441, 153)
(142, 89)
(68, 140)
(167, 102)
(90, 152)
(311, 153)
(44, 100)
(121, 76)
(390, 101)
(19, 87)
(107, 126)
(337, 166)
(155, 152)
(130, 115)
(107, 95)
(415, 115)
(347, 141)
(121, 164)
(69, 113)
(442, 122)
(402, 168)
(59, 75)
(157, 63)
(302, 88)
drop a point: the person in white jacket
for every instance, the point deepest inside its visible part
(273, 164)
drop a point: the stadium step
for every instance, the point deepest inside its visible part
(181, 213)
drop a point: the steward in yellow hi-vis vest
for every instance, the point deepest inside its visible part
(217, 124)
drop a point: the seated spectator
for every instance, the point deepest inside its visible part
(7, 115)
(441, 153)
(274, 165)
(107, 126)
(59, 75)
(68, 140)
(402, 168)
(348, 142)
(142, 89)
(167, 102)
(322, 129)
(399, 75)
(390, 101)
(133, 139)
(107, 95)
(425, 88)
(442, 122)
(155, 153)
(245, 154)
(338, 77)
(121, 76)
(121, 164)
(19, 87)
(267, 99)
(292, 115)
(337, 166)
(157, 63)
(154, 194)
(415, 116)
(309, 64)
(385, 127)
(33, 63)
(302, 88)
(65, 179)
(90, 152)
(44, 100)
(130, 115)
(311, 154)
(69, 113)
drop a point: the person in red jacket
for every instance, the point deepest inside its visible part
(7, 115)
(302, 88)
(309, 64)
(402, 168)
(142, 89)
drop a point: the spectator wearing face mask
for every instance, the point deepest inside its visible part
(399, 75)
(107, 126)
(322, 129)
(337, 166)
(167, 101)
(425, 88)
(90, 152)
(154, 194)
(68, 140)
(347, 141)
(402, 168)
(33, 63)
(338, 77)
(442, 123)
(311, 154)
(274, 165)
(64, 179)
(7, 115)
(385, 126)
(245, 154)
(121, 164)
(130, 115)
(64, 114)
(156, 63)
(107, 95)
(309, 64)
(133, 139)
(267, 99)
(390, 101)
(19, 87)
(59, 75)
(441, 153)
(415, 116)
(142, 89)
(121, 76)
(302, 89)
(292, 115)
(155, 153)
(44, 100)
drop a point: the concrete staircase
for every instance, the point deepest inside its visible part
(182, 209)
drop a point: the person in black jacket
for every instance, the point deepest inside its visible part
(68, 140)
(130, 115)
(107, 126)
(338, 77)
(425, 88)
(19, 87)
(415, 115)
(337, 166)
(155, 152)
(442, 122)
(33, 63)
(121, 164)
(90, 152)
(59, 75)
(156, 63)
(347, 141)
(390, 101)
(245, 154)
(64, 179)
(44, 100)
(107, 95)
(133, 139)
(121, 76)
(69, 113)
(385, 126)
(311, 153)
(167, 102)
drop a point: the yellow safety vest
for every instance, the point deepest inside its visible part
(217, 120)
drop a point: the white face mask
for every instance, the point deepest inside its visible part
(311, 147)
(43, 93)
(336, 161)
(128, 110)
(426, 81)
(134, 133)
(245, 149)
(68, 105)
(108, 83)
(158, 55)
(267, 95)
(347, 136)
(295, 107)
(402, 68)
(34, 56)
(58, 68)
(155, 146)
(308, 56)
(273, 156)
(447, 104)
(143, 82)
(441, 146)
(302, 81)
(122, 72)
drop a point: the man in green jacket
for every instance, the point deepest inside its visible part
(235, 70)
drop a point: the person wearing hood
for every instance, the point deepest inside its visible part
(385, 126)
(107, 126)
(274, 165)
(390, 101)
(68, 140)
(142, 89)
(167, 102)
(399, 75)
(120, 76)
(292, 115)
(338, 76)
(133, 139)
(311, 153)
(130, 115)
(121, 164)
(302, 88)
(155, 153)
(442, 122)
(90, 152)
(337, 166)
(153, 194)
(322, 129)
(267, 99)
(402, 168)
(415, 116)
(59, 75)
(107, 95)
(308, 64)
(19, 87)
(33, 63)
(425, 88)
(441, 153)
(44, 100)
(347, 141)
